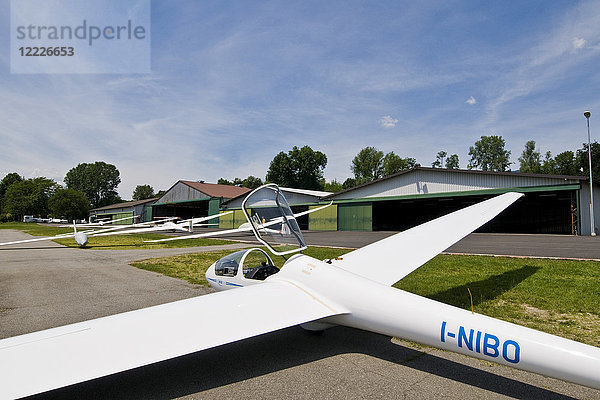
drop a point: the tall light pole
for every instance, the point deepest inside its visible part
(587, 115)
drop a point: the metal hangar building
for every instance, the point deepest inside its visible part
(189, 199)
(123, 210)
(553, 204)
(185, 199)
(300, 200)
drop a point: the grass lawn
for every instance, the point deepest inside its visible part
(561, 297)
(35, 229)
(117, 242)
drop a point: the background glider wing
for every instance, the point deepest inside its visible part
(414, 247)
(245, 227)
(201, 235)
(183, 225)
(61, 236)
(45, 360)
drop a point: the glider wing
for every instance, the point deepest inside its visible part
(39, 239)
(53, 358)
(414, 247)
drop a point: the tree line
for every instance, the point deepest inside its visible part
(86, 186)
(93, 185)
(303, 167)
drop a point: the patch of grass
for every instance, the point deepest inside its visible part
(35, 229)
(136, 242)
(189, 267)
(323, 253)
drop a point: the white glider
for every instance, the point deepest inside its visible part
(102, 222)
(260, 226)
(182, 226)
(82, 237)
(352, 291)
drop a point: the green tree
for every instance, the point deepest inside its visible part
(452, 162)
(8, 180)
(566, 163)
(582, 162)
(334, 186)
(488, 154)
(367, 165)
(98, 181)
(300, 168)
(251, 182)
(29, 196)
(439, 159)
(530, 160)
(349, 183)
(280, 170)
(69, 203)
(548, 166)
(393, 163)
(143, 192)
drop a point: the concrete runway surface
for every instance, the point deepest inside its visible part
(43, 285)
(559, 246)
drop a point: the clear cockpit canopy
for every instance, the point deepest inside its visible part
(272, 220)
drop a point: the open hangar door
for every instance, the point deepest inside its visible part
(303, 219)
(182, 210)
(537, 212)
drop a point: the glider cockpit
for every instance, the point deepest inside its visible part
(272, 220)
(242, 268)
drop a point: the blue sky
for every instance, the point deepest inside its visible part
(233, 83)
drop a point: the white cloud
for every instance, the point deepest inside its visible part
(471, 100)
(578, 43)
(388, 121)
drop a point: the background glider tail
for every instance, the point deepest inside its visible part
(414, 247)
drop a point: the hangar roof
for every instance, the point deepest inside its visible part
(314, 193)
(184, 191)
(125, 204)
(216, 190)
(293, 197)
(427, 180)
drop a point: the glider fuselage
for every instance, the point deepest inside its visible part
(369, 305)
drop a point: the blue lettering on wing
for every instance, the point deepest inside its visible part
(490, 345)
(463, 338)
(484, 343)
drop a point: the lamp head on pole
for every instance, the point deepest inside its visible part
(587, 114)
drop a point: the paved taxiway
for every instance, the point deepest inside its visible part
(560, 246)
(44, 285)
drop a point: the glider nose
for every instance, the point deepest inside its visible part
(212, 278)
(81, 239)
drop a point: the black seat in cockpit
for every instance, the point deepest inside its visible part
(261, 272)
